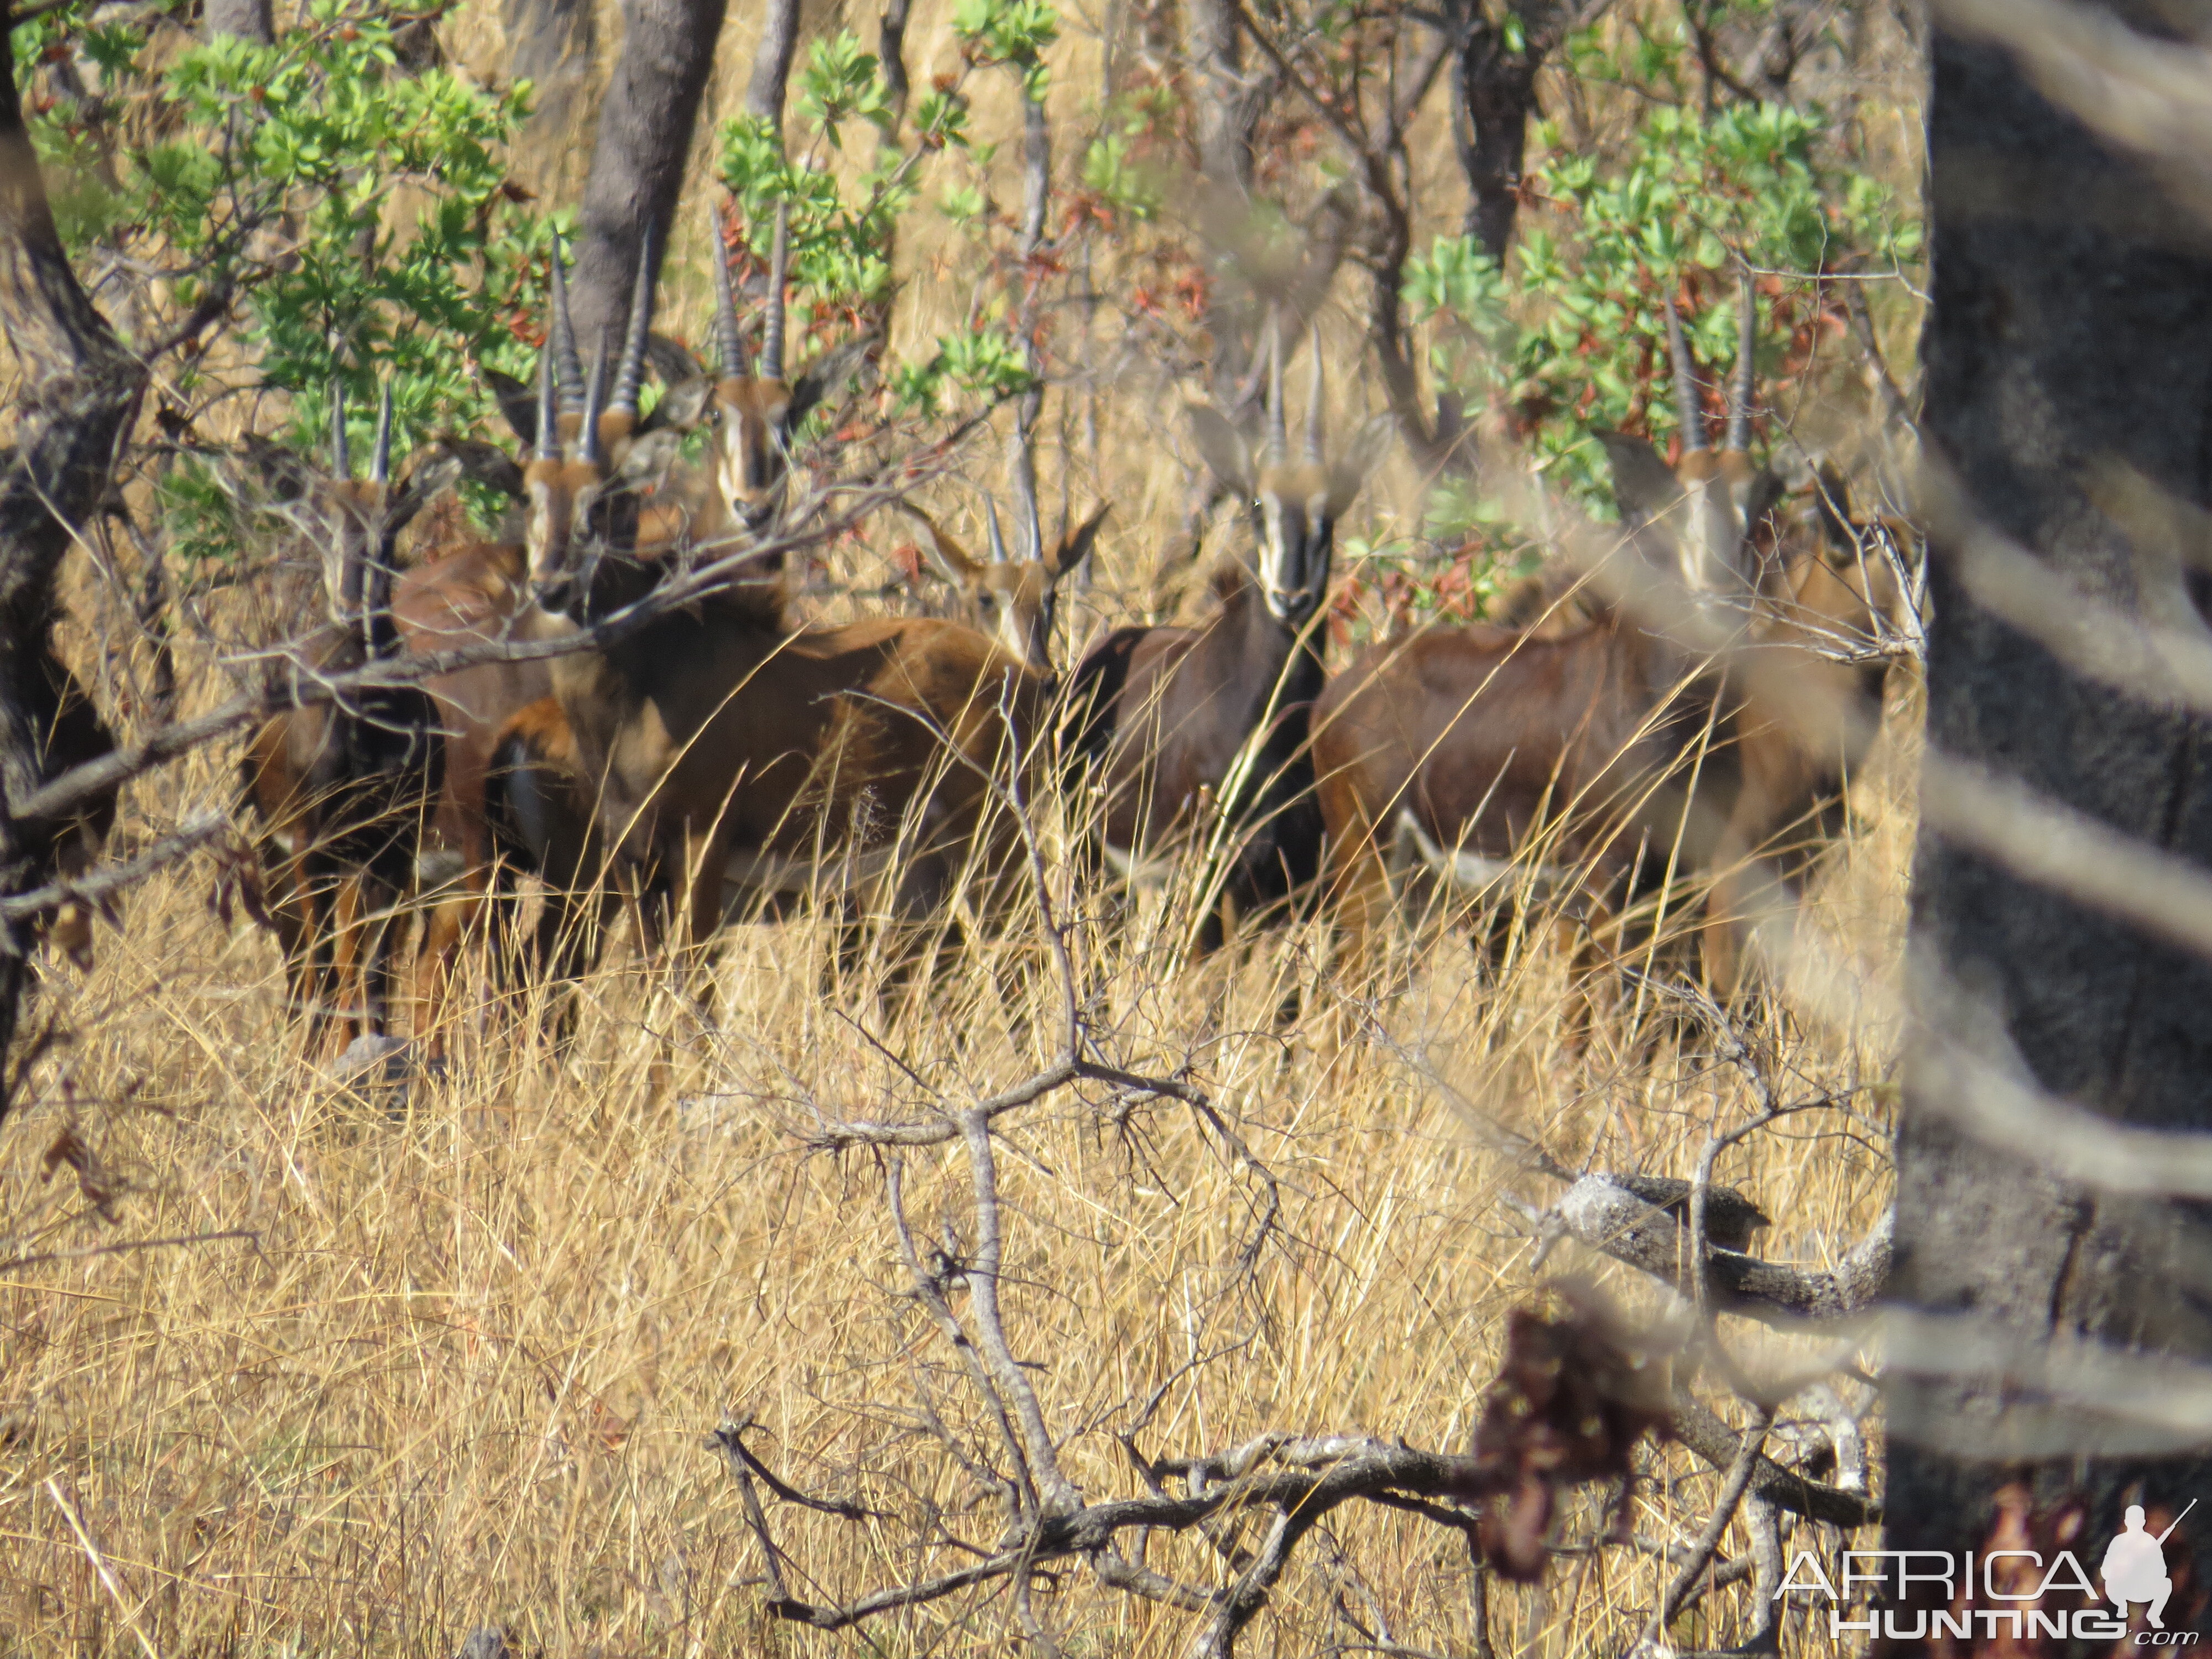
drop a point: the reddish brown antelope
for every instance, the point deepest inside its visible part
(1011, 600)
(1193, 735)
(478, 593)
(341, 786)
(724, 747)
(1616, 748)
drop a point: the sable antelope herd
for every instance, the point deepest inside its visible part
(1676, 711)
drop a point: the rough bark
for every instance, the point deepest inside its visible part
(81, 387)
(1226, 109)
(549, 44)
(1493, 95)
(637, 164)
(772, 63)
(249, 19)
(2063, 338)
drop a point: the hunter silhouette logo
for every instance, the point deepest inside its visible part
(2135, 1567)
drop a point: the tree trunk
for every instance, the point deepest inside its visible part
(637, 164)
(2068, 339)
(779, 43)
(249, 19)
(1493, 95)
(81, 388)
(1495, 90)
(1225, 109)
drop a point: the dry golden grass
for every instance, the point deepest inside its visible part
(458, 1371)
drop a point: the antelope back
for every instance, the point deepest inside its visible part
(1293, 504)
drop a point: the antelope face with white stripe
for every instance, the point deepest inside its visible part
(1294, 506)
(1694, 522)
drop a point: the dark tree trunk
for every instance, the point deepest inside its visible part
(250, 19)
(1494, 95)
(637, 164)
(1495, 88)
(779, 43)
(549, 44)
(1226, 109)
(2069, 338)
(80, 389)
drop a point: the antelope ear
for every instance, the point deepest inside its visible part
(441, 464)
(827, 374)
(1762, 495)
(1833, 496)
(650, 455)
(1369, 445)
(517, 402)
(1223, 447)
(951, 558)
(671, 360)
(1644, 487)
(1076, 548)
(681, 407)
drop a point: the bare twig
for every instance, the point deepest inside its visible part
(1701, 1552)
(9, 1264)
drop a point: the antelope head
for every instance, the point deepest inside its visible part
(573, 495)
(1708, 505)
(1011, 600)
(751, 408)
(356, 508)
(558, 489)
(1294, 506)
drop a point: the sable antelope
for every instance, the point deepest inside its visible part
(751, 408)
(341, 786)
(1613, 745)
(721, 746)
(479, 840)
(1011, 601)
(1177, 725)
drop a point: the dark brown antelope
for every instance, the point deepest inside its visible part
(341, 786)
(1610, 752)
(1195, 737)
(477, 593)
(722, 747)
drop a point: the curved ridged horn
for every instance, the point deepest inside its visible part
(779, 263)
(728, 341)
(991, 530)
(1740, 388)
(630, 377)
(595, 394)
(1315, 414)
(341, 457)
(379, 458)
(549, 407)
(569, 366)
(1687, 408)
(1277, 437)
